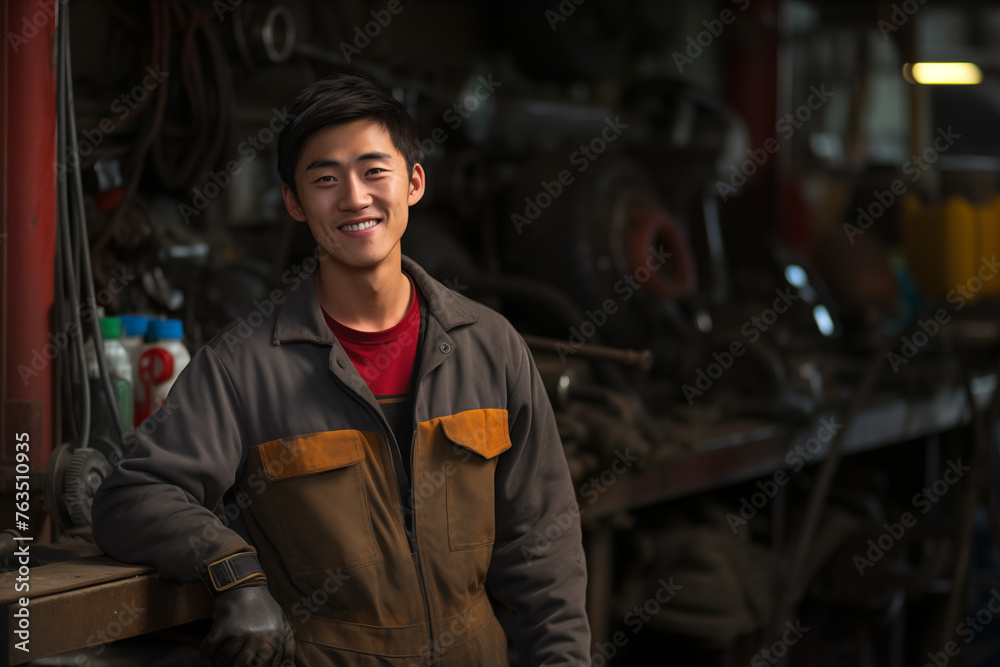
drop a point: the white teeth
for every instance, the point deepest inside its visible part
(359, 227)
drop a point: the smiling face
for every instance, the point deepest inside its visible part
(354, 192)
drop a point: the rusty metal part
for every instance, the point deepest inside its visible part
(642, 359)
(642, 226)
(85, 602)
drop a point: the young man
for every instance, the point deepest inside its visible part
(387, 442)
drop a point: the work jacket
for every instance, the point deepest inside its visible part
(273, 415)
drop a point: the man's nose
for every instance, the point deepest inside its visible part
(354, 194)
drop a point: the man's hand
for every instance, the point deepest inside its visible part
(249, 630)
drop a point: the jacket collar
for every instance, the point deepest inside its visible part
(301, 317)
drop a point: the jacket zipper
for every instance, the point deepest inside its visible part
(411, 539)
(414, 549)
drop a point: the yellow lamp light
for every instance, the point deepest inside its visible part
(943, 73)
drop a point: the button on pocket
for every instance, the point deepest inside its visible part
(318, 491)
(475, 438)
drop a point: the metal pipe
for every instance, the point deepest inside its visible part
(642, 359)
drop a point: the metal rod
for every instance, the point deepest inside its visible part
(642, 359)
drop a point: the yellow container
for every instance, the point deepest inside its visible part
(950, 246)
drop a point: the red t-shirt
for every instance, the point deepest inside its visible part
(385, 361)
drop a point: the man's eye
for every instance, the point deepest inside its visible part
(325, 179)
(376, 170)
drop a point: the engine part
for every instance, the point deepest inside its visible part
(602, 238)
(55, 482)
(85, 471)
(263, 34)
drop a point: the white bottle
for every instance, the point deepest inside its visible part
(161, 361)
(134, 329)
(119, 367)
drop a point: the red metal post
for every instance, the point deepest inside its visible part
(27, 239)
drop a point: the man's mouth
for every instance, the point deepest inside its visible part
(359, 226)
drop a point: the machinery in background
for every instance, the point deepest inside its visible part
(585, 210)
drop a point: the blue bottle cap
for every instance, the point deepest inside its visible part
(166, 330)
(134, 325)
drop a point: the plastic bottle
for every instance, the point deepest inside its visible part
(120, 369)
(134, 329)
(161, 361)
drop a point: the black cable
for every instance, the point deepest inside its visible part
(66, 245)
(86, 269)
(62, 410)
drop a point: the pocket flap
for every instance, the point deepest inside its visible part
(481, 431)
(307, 454)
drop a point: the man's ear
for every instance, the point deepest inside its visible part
(292, 203)
(417, 183)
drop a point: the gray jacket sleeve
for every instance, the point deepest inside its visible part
(538, 567)
(155, 507)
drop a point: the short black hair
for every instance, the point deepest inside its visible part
(340, 99)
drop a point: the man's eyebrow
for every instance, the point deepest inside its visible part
(326, 162)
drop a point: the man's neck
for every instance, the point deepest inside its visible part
(370, 299)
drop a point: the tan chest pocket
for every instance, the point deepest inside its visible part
(317, 489)
(476, 438)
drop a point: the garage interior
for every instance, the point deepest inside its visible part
(751, 244)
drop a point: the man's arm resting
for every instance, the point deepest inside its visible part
(155, 505)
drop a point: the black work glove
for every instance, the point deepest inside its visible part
(249, 630)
